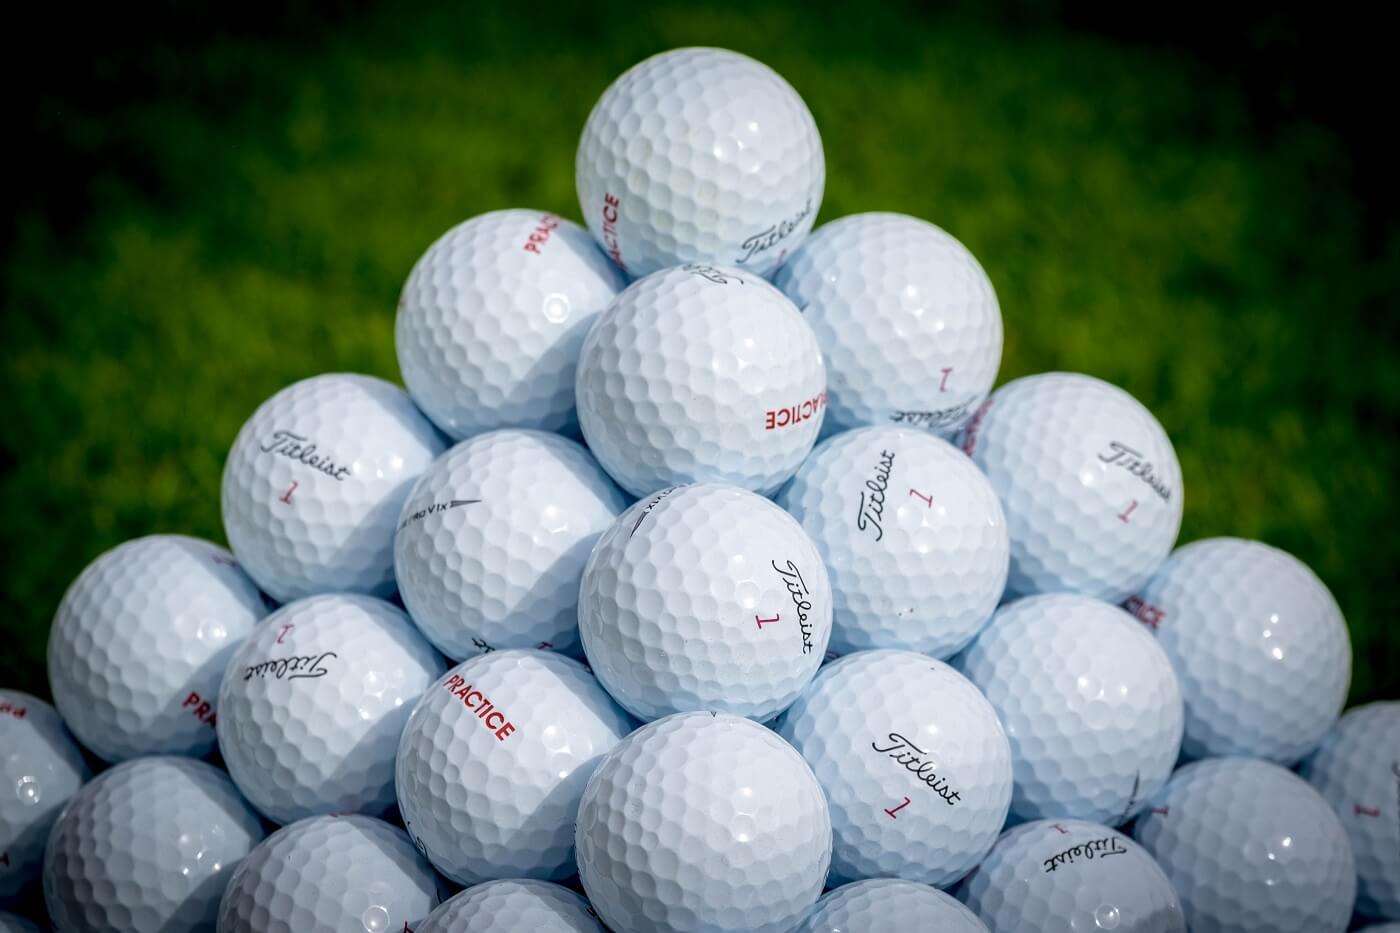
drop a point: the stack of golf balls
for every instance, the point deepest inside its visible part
(699, 581)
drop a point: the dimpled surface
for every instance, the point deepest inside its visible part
(313, 704)
(700, 155)
(314, 482)
(331, 874)
(705, 597)
(513, 906)
(1089, 702)
(9, 923)
(40, 768)
(1067, 876)
(681, 377)
(147, 846)
(888, 905)
(492, 317)
(1089, 481)
(1357, 769)
(492, 542)
(1250, 847)
(912, 535)
(703, 822)
(140, 642)
(483, 802)
(1258, 644)
(914, 764)
(906, 317)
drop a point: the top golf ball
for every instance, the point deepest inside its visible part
(906, 317)
(700, 155)
(1089, 481)
(492, 317)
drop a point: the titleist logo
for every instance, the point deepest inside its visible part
(912, 758)
(297, 447)
(801, 600)
(872, 498)
(293, 668)
(1124, 457)
(765, 240)
(1094, 848)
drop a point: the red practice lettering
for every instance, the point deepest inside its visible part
(794, 414)
(482, 707)
(610, 241)
(1146, 613)
(540, 235)
(202, 709)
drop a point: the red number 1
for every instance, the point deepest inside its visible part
(943, 385)
(285, 629)
(1123, 515)
(892, 812)
(918, 495)
(762, 622)
(287, 496)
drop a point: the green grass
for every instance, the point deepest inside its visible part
(248, 213)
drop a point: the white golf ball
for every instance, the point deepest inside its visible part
(1062, 876)
(513, 906)
(703, 822)
(915, 766)
(314, 482)
(331, 874)
(313, 703)
(1259, 646)
(906, 317)
(1089, 701)
(1089, 481)
(41, 767)
(705, 598)
(700, 155)
(700, 374)
(912, 535)
(492, 542)
(147, 845)
(140, 642)
(1251, 848)
(492, 317)
(1357, 769)
(889, 905)
(493, 761)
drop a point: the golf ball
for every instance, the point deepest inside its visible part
(889, 905)
(906, 317)
(703, 822)
(1089, 701)
(700, 374)
(313, 485)
(1062, 876)
(331, 874)
(1258, 644)
(140, 642)
(492, 542)
(1357, 769)
(1250, 847)
(313, 703)
(700, 155)
(915, 766)
(912, 535)
(147, 845)
(513, 906)
(41, 767)
(492, 317)
(493, 761)
(1089, 481)
(705, 598)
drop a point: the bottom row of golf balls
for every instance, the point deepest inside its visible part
(708, 821)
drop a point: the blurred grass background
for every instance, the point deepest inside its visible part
(211, 208)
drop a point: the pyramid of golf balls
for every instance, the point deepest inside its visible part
(699, 582)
